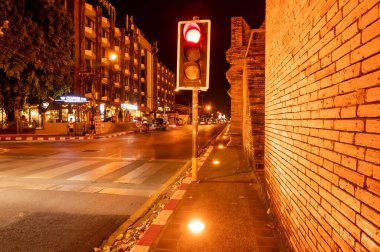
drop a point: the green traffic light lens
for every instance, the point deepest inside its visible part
(192, 71)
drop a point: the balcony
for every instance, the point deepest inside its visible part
(117, 67)
(105, 62)
(105, 22)
(135, 77)
(127, 56)
(105, 98)
(88, 54)
(117, 32)
(89, 11)
(142, 53)
(135, 90)
(135, 62)
(117, 100)
(127, 72)
(142, 93)
(105, 42)
(135, 46)
(89, 32)
(105, 80)
(88, 95)
(142, 66)
(127, 40)
(127, 88)
(117, 84)
(142, 79)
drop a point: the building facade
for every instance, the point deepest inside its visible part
(116, 68)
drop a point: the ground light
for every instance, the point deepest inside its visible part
(196, 226)
(216, 162)
(220, 146)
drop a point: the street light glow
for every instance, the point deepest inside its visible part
(196, 226)
(113, 56)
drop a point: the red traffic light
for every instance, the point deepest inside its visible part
(192, 32)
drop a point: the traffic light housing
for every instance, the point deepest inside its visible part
(193, 54)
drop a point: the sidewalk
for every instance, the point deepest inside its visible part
(56, 137)
(225, 199)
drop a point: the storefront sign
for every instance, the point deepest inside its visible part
(72, 99)
(128, 106)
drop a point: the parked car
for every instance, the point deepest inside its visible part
(159, 124)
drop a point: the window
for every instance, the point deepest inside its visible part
(89, 45)
(90, 23)
(105, 33)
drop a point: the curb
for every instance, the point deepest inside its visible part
(145, 207)
(61, 138)
(154, 230)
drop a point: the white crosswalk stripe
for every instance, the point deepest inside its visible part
(26, 166)
(101, 171)
(48, 174)
(117, 176)
(138, 175)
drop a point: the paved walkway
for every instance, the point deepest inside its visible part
(56, 137)
(225, 199)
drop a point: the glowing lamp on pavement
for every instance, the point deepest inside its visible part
(196, 226)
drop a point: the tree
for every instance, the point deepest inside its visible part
(36, 52)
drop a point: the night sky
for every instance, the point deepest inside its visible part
(158, 19)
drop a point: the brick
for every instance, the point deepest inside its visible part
(365, 51)
(350, 175)
(371, 64)
(329, 134)
(350, 150)
(350, 32)
(363, 81)
(371, 32)
(369, 17)
(347, 73)
(343, 62)
(346, 224)
(372, 156)
(346, 137)
(367, 168)
(367, 197)
(373, 186)
(371, 230)
(372, 94)
(372, 126)
(369, 110)
(350, 99)
(349, 162)
(347, 186)
(329, 176)
(349, 125)
(348, 112)
(330, 113)
(330, 155)
(371, 214)
(346, 48)
(354, 15)
(368, 140)
(369, 244)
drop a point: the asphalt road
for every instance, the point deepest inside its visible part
(71, 195)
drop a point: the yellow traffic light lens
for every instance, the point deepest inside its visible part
(192, 53)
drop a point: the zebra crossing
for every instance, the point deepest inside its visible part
(110, 176)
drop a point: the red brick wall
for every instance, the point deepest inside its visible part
(322, 122)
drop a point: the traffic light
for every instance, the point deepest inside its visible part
(193, 54)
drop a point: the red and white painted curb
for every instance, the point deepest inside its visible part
(60, 138)
(151, 234)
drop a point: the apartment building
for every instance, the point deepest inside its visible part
(116, 68)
